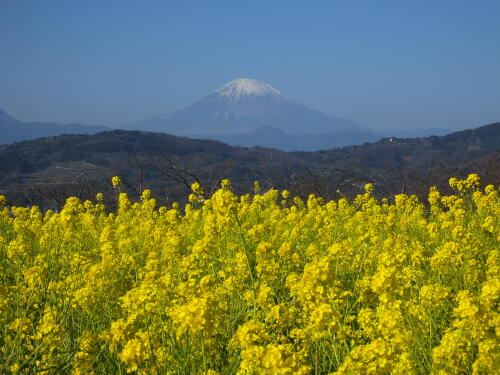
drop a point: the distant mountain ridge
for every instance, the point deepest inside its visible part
(244, 112)
(272, 137)
(416, 133)
(13, 130)
(4, 116)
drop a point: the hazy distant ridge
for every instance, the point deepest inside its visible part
(13, 130)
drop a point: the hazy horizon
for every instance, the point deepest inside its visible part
(385, 65)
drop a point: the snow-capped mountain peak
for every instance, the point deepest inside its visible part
(242, 106)
(246, 87)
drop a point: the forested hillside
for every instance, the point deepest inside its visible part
(45, 171)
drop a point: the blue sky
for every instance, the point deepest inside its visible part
(385, 64)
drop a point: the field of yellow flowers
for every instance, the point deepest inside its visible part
(254, 284)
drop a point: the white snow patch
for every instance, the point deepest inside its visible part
(246, 86)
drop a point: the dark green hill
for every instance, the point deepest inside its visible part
(44, 171)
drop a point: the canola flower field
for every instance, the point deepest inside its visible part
(254, 284)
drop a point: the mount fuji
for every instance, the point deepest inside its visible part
(242, 107)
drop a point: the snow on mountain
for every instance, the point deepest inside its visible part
(246, 86)
(242, 106)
